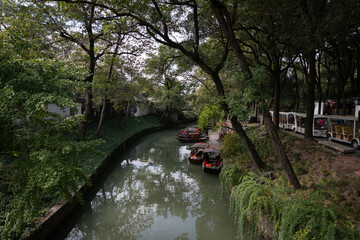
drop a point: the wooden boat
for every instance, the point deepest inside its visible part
(196, 155)
(191, 134)
(212, 160)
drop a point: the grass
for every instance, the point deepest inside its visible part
(113, 135)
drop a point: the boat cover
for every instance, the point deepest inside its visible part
(200, 145)
(211, 150)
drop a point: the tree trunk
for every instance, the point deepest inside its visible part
(88, 113)
(127, 113)
(310, 97)
(280, 152)
(338, 97)
(319, 87)
(344, 100)
(88, 105)
(162, 119)
(353, 87)
(320, 101)
(102, 116)
(357, 71)
(255, 111)
(224, 19)
(120, 118)
(276, 82)
(297, 91)
(250, 148)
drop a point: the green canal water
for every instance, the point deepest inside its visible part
(157, 195)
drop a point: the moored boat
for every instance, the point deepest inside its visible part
(191, 134)
(212, 160)
(197, 150)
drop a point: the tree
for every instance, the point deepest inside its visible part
(264, 36)
(341, 39)
(164, 74)
(85, 25)
(106, 86)
(39, 150)
(227, 20)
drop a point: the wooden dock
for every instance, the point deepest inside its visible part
(337, 147)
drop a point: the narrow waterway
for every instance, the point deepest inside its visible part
(157, 195)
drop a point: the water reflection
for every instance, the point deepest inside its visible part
(156, 194)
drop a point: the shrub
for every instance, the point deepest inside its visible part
(248, 201)
(231, 145)
(294, 215)
(310, 218)
(230, 176)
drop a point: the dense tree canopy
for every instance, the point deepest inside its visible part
(38, 150)
(242, 57)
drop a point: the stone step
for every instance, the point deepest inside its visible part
(337, 147)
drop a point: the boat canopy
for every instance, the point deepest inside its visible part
(191, 129)
(200, 145)
(212, 150)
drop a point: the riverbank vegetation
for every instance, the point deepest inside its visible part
(113, 135)
(20, 210)
(325, 208)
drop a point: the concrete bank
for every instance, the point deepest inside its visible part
(59, 212)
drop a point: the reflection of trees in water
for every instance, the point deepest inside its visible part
(183, 236)
(156, 182)
(208, 226)
(117, 212)
(129, 199)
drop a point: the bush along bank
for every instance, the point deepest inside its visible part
(261, 206)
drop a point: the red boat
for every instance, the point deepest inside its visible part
(196, 155)
(212, 160)
(191, 134)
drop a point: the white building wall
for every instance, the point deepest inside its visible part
(53, 108)
(142, 109)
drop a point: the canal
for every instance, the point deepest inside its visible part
(156, 195)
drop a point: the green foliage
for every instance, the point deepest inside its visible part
(210, 115)
(255, 202)
(113, 136)
(310, 218)
(170, 99)
(168, 91)
(250, 202)
(39, 149)
(231, 145)
(240, 101)
(231, 176)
